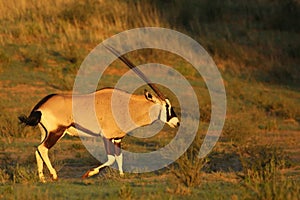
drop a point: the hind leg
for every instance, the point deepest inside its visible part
(109, 148)
(43, 155)
(42, 152)
(38, 156)
(110, 160)
(40, 165)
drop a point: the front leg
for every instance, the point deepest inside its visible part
(119, 160)
(118, 155)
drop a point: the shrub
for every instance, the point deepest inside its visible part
(4, 177)
(187, 169)
(14, 172)
(262, 163)
(23, 174)
(262, 175)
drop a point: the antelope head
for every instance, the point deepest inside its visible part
(167, 114)
(166, 111)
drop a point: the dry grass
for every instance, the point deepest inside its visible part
(42, 44)
(62, 22)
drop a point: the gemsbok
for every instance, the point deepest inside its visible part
(54, 116)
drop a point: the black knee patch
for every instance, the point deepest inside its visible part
(109, 146)
(112, 146)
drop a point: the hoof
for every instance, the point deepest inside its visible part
(122, 175)
(86, 175)
(42, 180)
(54, 178)
(90, 173)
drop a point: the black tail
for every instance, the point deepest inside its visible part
(33, 119)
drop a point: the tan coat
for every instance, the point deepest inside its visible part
(111, 112)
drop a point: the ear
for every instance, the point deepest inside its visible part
(150, 97)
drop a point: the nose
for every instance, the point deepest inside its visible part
(178, 124)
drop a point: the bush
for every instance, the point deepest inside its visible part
(4, 177)
(262, 167)
(187, 169)
(277, 189)
(13, 172)
(262, 163)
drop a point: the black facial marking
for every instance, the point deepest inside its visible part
(167, 111)
(173, 114)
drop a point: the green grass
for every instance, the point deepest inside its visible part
(106, 189)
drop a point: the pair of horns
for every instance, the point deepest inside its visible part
(136, 70)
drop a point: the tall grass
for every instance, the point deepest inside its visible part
(61, 22)
(54, 37)
(259, 36)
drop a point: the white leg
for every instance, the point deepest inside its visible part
(39, 160)
(40, 164)
(119, 160)
(44, 153)
(110, 160)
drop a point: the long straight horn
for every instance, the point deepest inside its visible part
(136, 70)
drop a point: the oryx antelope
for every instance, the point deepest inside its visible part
(54, 116)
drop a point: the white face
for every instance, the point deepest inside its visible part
(168, 116)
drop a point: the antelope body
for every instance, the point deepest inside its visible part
(54, 115)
